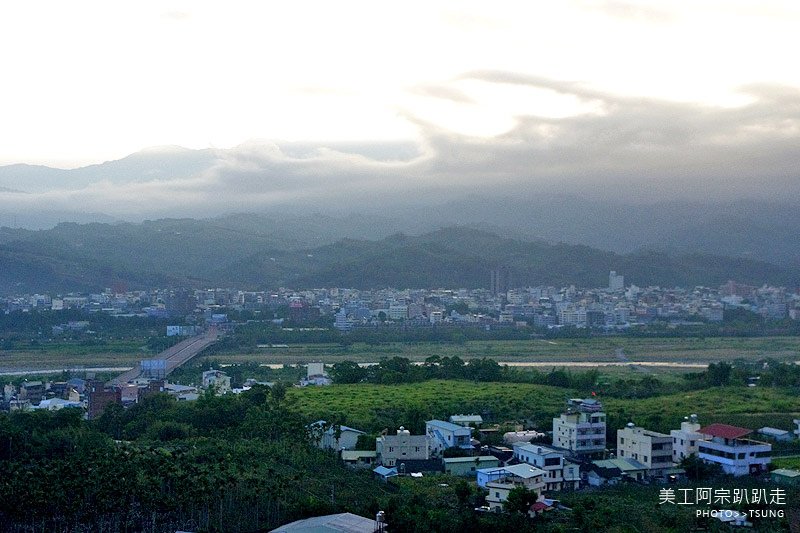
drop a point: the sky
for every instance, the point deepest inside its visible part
(688, 96)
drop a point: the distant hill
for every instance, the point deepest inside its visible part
(760, 227)
(463, 257)
(259, 252)
(149, 164)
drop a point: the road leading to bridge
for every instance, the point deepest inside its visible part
(173, 356)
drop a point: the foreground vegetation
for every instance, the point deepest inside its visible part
(246, 463)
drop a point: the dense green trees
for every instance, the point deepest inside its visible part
(519, 500)
(245, 463)
(221, 463)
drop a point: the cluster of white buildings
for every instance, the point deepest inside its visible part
(616, 305)
(577, 456)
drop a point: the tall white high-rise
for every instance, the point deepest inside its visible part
(615, 282)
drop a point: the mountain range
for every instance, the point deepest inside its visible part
(258, 252)
(279, 181)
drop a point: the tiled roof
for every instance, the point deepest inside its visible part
(725, 431)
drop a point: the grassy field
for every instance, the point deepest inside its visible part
(69, 355)
(600, 349)
(786, 462)
(594, 349)
(377, 406)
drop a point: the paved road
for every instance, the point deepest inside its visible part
(174, 356)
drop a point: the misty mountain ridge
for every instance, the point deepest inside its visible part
(605, 218)
(256, 252)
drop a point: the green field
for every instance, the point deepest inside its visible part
(600, 349)
(786, 462)
(706, 350)
(60, 355)
(373, 407)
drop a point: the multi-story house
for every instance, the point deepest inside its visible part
(394, 449)
(652, 449)
(582, 428)
(444, 435)
(727, 446)
(559, 473)
(501, 481)
(684, 440)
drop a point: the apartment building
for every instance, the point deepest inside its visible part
(582, 428)
(652, 449)
(559, 472)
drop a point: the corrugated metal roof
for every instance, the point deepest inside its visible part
(482, 458)
(446, 425)
(786, 472)
(343, 522)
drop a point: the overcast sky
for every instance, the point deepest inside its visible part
(689, 93)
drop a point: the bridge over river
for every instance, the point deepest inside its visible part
(169, 359)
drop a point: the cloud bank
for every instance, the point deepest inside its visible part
(627, 149)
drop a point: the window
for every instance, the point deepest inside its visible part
(622, 453)
(691, 443)
(391, 448)
(622, 440)
(645, 458)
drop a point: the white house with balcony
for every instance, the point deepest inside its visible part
(559, 473)
(501, 481)
(652, 449)
(582, 428)
(728, 447)
(443, 435)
